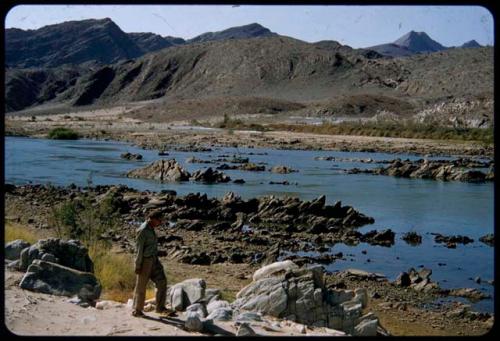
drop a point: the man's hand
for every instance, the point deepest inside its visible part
(137, 271)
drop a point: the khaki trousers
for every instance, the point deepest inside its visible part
(151, 269)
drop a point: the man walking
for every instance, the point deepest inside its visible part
(148, 266)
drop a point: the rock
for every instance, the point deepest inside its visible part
(361, 274)
(425, 169)
(458, 239)
(383, 238)
(245, 330)
(367, 327)
(103, 305)
(248, 316)
(48, 257)
(198, 308)
(470, 293)
(361, 296)
(186, 293)
(69, 253)
(239, 181)
(210, 176)
(193, 322)
(211, 295)
(213, 305)
(161, 170)
(177, 298)
(13, 249)
(15, 265)
(271, 269)
(130, 156)
(282, 170)
(300, 294)
(251, 167)
(221, 314)
(488, 239)
(55, 279)
(403, 280)
(412, 238)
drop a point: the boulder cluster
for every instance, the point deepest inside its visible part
(437, 170)
(280, 290)
(284, 290)
(130, 156)
(172, 171)
(417, 280)
(55, 266)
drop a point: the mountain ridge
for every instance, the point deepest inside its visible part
(102, 41)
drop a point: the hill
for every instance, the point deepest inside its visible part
(71, 42)
(240, 32)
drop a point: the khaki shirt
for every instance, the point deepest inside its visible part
(146, 244)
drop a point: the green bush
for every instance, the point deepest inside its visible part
(62, 134)
(84, 220)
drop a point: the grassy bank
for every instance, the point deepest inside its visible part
(62, 134)
(114, 271)
(387, 129)
(405, 130)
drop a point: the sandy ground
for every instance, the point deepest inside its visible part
(112, 123)
(29, 313)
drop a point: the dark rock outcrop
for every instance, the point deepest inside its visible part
(14, 248)
(426, 169)
(55, 279)
(162, 170)
(210, 176)
(130, 156)
(70, 253)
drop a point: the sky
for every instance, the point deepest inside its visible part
(356, 26)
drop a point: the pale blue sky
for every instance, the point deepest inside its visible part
(357, 26)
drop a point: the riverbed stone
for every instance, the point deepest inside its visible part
(55, 279)
(13, 249)
(193, 322)
(300, 294)
(221, 314)
(161, 170)
(186, 293)
(70, 253)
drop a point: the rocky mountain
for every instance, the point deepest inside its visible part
(409, 44)
(240, 32)
(470, 44)
(149, 42)
(99, 40)
(419, 42)
(274, 67)
(71, 42)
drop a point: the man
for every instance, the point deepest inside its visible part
(148, 266)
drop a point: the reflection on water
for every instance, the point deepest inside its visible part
(403, 205)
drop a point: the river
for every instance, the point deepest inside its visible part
(403, 205)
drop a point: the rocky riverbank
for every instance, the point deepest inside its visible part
(163, 137)
(205, 233)
(454, 170)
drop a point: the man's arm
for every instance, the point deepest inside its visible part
(140, 251)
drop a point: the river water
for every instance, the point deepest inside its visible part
(403, 205)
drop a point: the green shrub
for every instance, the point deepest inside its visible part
(62, 134)
(82, 219)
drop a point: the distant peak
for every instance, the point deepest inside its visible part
(471, 43)
(419, 42)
